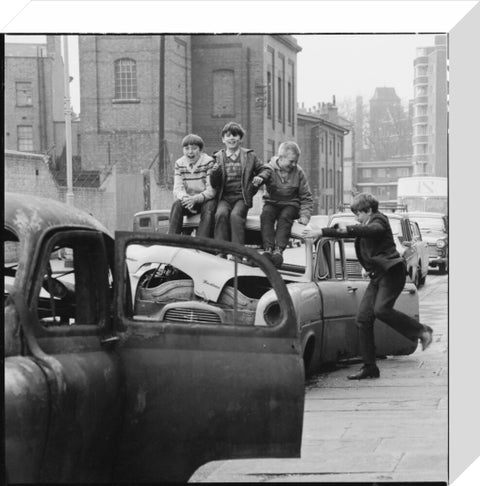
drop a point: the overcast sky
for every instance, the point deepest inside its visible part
(351, 65)
(340, 65)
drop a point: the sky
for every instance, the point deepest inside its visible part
(328, 65)
(351, 65)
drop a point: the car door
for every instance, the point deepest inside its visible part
(197, 391)
(340, 299)
(68, 334)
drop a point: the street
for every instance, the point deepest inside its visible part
(392, 429)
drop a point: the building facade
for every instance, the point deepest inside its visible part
(322, 145)
(390, 132)
(140, 95)
(34, 98)
(380, 177)
(430, 109)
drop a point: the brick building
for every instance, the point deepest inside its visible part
(34, 97)
(390, 127)
(250, 79)
(322, 145)
(140, 94)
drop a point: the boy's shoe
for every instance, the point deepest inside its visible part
(277, 257)
(366, 371)
(426, 337)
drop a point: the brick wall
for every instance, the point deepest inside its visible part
(27, 173)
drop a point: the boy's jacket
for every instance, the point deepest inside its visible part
(251, 167)
(374, 244)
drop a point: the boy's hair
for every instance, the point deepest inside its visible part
(363, 202)
(234, 128)
(289, 146)
(192, 139)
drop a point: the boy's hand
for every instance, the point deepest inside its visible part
(303, 220)
(311, 233)
(188, 202)
(341, 228)
(257, 181)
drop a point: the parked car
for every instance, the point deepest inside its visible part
(155, 220)
(97, 393)
(434, 228)
(324, 297)
(408, 240)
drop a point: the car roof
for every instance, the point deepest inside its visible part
(34, 215)
(152, 211)
(426, 214)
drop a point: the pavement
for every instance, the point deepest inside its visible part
(393, 429)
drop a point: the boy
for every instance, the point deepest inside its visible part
(377, 253)
(191, 189)
(288, 197)
(236, 177)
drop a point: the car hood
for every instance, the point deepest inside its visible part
(432, 237)
(208, 272)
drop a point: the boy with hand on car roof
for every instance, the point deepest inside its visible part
(236, 177)
(376, 252)
(288, 197)
(192, 190)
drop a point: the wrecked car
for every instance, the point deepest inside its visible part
(98, 389)
(184, 284)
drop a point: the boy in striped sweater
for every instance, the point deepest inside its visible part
(192, 190)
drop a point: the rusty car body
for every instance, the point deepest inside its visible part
(97, 393)
(325, 298)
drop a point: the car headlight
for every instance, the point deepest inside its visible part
(441, 243)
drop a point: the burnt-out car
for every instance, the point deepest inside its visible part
(202, 286)
(96, 392)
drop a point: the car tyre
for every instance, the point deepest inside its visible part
(418, 278)
(442, 268)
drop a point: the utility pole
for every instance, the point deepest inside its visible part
(68, 122)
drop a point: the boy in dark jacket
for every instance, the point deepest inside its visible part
(377, 253)
(288, 198)
(236, 177)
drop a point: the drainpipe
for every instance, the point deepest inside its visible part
(68, 122)
(161, 111)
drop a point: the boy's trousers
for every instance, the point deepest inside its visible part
(378, 302)
(284, 216)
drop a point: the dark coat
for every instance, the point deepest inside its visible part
(374, 244)
(251, 167)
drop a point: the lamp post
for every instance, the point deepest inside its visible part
(68, 122)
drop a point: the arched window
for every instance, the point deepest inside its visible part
(125, 79)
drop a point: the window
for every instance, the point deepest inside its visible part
(402, 172)
(289, 103)
(322, 148)
(330, 178)
(367, 172)
(223, 93)
(23, 92)
(338, 149)
(25, 138)
(269, 94)
(74, 283)
(280, 99)
(323, 177)
(270, 149)
(330, 147)
(381, 172)
(125, 79)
